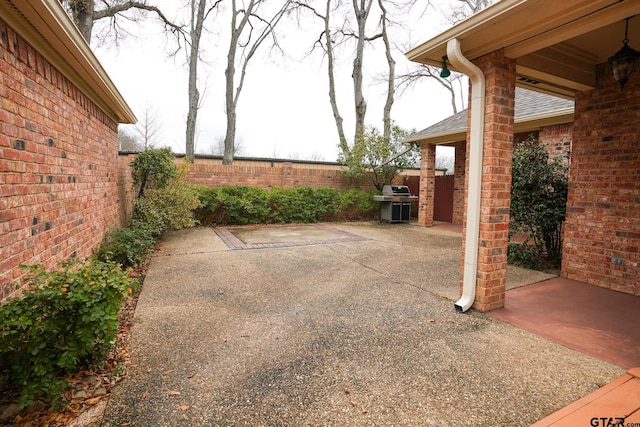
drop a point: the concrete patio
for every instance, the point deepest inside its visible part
(354, 326)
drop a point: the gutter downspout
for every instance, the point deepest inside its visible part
(476, 143)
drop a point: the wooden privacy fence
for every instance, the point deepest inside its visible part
(443, 198)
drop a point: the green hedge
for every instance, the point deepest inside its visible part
(251, 205)
(65, 322)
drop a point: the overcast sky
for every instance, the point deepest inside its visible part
(284, 108)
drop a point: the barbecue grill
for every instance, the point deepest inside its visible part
(395, 203)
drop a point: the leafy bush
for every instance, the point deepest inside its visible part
(251, 205)
(153, 168)
(538, 202)
(170, 203)
(170, 207)
(127, 247)
(66, 321)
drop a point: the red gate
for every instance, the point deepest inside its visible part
(443, 198)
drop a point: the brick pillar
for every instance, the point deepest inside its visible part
(458, 182)
(496, 180)
(427, 185)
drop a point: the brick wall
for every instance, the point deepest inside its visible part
(279, 175)
(59, 190)
(268, 174)
(603, 209)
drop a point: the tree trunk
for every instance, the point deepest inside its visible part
(332, 84)
(229, 74)
(197, 21)
(362, 13)
(386, 117)
(82, 14)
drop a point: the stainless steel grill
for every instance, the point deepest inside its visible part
(395, 203)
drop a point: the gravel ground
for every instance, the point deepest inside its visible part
(348, 334)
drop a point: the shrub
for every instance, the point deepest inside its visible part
(127, 247)
(538, 201)
(251, 205)
(66, 321)
(152, 168)
(170, 207)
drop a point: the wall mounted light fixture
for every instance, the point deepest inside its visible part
(625, 61)
(444, 73)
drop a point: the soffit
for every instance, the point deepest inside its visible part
(556, 44)
(45, 25)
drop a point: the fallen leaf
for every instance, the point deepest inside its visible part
(354, 404)
(144, 395)
(184, 407)
(173, 393)
(94, 400)
(430, 320)
(126, 424)
(168, 372)
(347, 391)
(192, 375)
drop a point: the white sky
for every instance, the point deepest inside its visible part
(284, 108)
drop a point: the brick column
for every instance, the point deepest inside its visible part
(496, 180)
(459, 204)
(427, 185)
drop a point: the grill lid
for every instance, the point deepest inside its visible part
(395, 190)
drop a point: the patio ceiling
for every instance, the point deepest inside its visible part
(556, 43)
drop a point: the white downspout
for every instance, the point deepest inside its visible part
(476, 142)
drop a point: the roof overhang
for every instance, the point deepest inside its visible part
(523, 124)
(46, 26)
(556, 44)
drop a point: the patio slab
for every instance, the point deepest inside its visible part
(349, 333)
(600, 322)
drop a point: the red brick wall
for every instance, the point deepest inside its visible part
(603, 209)
(458, 184)
(280, 175)
(59, 189)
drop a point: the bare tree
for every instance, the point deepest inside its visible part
(462, 10)
(85, 12)
(147, 129)
(198, 14)
(422, 71)
(325, 42)
(216, 148)
(249, 29)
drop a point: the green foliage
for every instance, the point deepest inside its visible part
(127, 247)
(251, 205)
(65, 322)
(538, 202)
(152, 168)
(379, 158)
(169, 206)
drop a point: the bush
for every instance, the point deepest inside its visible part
(152, 168)
(127, 247)
(170, 207)
(251, 205)
(67, 321)
(538, 202)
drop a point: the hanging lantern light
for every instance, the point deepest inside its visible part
(444, 73)
(625, 61)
